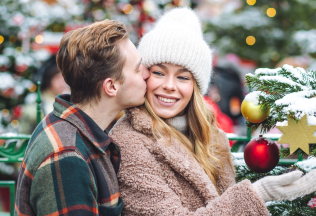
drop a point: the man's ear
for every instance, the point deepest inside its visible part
(110, 87)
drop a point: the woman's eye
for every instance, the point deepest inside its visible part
(183, 78)
(157, 73)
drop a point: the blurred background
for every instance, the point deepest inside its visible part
(245, 35)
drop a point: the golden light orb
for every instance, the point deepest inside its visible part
(32, 88)
(5, 112)
(12, 39)
(128, 9)
(275, 56)
(39, 39)
(251, 2)
(1, 39)
(15, 123)
(271, 12)
(250, 40)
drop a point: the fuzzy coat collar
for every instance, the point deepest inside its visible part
(174, 155)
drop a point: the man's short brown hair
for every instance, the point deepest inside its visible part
(89, 55)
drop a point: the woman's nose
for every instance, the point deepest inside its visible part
(169, 85)
(145, 72)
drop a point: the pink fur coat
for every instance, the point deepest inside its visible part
(160, 179)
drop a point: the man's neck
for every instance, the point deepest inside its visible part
(102, 113)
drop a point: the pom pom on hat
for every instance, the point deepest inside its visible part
(177, 38)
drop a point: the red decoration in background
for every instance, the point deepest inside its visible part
(312, 203)
(261, 155)
(17, 112)
(223, 121)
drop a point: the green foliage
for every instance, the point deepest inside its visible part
(274, 35)
(296, 207)
(243, 172)
(285, 152)
(273, 88)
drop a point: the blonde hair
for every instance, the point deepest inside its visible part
(199, 143)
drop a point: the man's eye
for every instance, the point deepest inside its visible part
(157, 73)
(183, 78)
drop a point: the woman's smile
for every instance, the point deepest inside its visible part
(165, 100)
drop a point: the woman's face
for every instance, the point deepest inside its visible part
(169, 89)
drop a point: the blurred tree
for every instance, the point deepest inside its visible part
(265, 31)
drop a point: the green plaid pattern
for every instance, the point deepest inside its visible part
(69, 167)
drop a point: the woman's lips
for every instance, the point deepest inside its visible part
(166, 104)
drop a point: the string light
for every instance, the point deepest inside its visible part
(18, 50)
(32, 88)
(271, 12)
(251, 2)
(39, 39)
(1, 39)
(5, 112)
(15, 123)
(12, 39)
(250, 40)
(275, 56)
(128, 9)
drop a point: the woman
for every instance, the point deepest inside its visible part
(175, 161)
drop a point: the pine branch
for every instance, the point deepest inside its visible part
(285, 152)
(296, 207)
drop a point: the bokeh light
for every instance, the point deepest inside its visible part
(275, 56)
(251, 2)
(1, 39)
(128, 9)
(271, 12)
(39, 39)
(250, 40)
(5, 112)
(32, 88)
(15, 123)
(12, 39)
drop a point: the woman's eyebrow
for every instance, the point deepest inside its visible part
(183, 70)
(162, 66)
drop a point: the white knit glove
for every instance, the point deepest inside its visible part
(286, 186)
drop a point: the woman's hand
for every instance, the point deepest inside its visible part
(286, 186)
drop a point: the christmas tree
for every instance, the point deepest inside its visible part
(288, 95)
(265, 31)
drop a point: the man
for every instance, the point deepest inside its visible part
(70, 164)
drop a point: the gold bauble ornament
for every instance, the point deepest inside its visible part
(298, 135)
(253, 113)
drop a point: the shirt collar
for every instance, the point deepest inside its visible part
(74, 115)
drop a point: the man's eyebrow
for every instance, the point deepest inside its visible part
(137, 66)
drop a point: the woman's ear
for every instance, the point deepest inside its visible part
(110, 87)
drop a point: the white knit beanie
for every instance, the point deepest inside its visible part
(177, 39)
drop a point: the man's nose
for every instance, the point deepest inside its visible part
(145, 72)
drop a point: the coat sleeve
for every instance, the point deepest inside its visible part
(145, 191)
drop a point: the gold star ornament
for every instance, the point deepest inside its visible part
(298, 135)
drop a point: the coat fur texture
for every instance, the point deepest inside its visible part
(160, 179)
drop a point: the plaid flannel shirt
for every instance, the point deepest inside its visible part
(69, 167)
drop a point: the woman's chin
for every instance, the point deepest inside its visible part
(167, 115)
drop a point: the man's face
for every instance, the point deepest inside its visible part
(133, 89)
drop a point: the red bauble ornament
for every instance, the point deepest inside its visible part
(312, 203)
(261, 155)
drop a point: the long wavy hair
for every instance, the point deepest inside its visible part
(202, 141)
